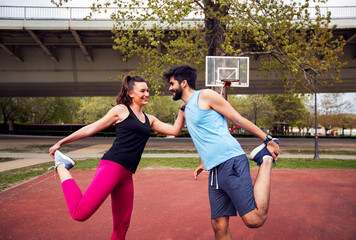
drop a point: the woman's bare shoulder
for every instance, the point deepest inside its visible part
(120, 107)
(120, 111)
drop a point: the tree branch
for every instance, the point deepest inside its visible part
(198, 3)
(257, 53)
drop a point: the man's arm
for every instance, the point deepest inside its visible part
(211, 99)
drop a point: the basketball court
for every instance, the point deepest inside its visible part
(170, 204)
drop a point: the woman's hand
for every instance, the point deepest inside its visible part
(54, 148)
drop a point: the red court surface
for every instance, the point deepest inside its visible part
(170, 204)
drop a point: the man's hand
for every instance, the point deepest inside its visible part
(273, 148)
(182, 107)
(199, 170)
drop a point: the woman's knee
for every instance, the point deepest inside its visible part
(80, 217)
(81, 214)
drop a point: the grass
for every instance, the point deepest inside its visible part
(169, 162)
(4, 159)
(13, 150)
(39, 149)
(92, 163)
(312, 163)
(325, 152)
(17, 176)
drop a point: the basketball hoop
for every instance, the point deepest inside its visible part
(227, 83)
(227, 71)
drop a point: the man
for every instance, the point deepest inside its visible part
(230, 184)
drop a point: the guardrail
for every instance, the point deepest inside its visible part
(79, 13)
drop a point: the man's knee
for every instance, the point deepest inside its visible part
(220, 224)
(254, 220)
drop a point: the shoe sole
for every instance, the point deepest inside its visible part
(256, 150)
(259, 148)
(66, 158)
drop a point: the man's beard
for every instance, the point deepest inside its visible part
(178, 94)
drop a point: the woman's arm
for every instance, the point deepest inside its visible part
(111, 117)
(165, 128)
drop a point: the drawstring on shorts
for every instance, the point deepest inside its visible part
(216, 177)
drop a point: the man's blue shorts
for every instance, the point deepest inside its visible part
(230, 188)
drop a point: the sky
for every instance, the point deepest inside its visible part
(351, 97)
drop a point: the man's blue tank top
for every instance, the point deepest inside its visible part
(210, 134)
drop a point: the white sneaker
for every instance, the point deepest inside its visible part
(61, 159)
(259, 152)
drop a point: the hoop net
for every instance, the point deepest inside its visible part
(227, 82)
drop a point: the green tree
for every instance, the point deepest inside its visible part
(38, 110)
(94, 108)
(288, 108)
(331, 108)
(52, 109)
(301, 125)
(308, 120)
(329, 121)
(163, 107)
(14, 109)
(352, 123)
(256, 108)
(291, 44)
(346, 122)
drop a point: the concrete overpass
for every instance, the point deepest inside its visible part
(47, 51)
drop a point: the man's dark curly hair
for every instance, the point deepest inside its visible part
(182, 72)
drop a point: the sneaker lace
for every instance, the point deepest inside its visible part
(55, 166)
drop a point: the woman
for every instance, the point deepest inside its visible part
(114, 173)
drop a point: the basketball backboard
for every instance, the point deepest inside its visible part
(227, 69)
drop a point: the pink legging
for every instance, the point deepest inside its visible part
(110, 178)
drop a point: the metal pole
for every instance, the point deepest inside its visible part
(71, 120)
(316, 150)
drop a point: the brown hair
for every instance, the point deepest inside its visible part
(127, 85)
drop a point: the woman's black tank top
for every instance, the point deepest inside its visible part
(131, 138)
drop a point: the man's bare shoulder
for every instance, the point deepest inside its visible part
(208, 93)
(208, 98)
